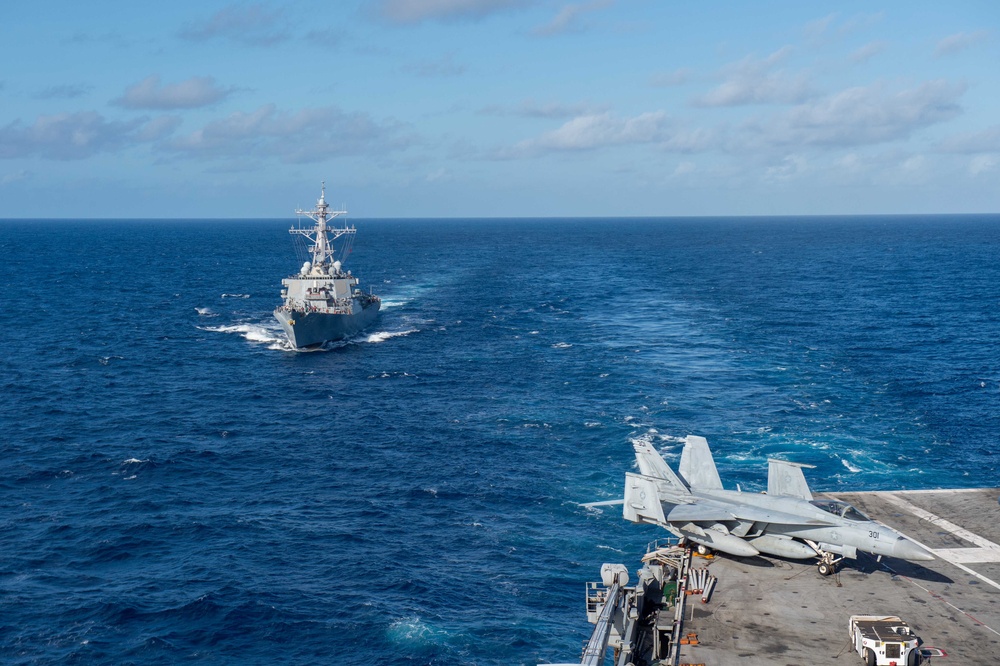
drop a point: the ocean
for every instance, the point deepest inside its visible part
(179, 487)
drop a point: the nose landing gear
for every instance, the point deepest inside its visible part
(828, 561)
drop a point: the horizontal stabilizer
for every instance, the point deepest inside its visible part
(642, 500)
(786, 479)
(591, 505)
(697, 465)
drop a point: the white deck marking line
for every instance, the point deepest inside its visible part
(906, 506)
(968, 555)
(940, 598)
(932, 491)
(961, 532)
(946, 491)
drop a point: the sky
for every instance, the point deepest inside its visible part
(498, 108)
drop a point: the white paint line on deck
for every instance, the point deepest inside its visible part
(968, 555)
(938, 491)
(932, 491)
(960, 532)
(942, 599)
(917, 511)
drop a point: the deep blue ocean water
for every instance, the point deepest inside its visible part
(177, 487)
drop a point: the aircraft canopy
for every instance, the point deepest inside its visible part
(838, 508)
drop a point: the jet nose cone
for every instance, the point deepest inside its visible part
(905, 549)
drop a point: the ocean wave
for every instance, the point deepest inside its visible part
(235, 296)
(849, 466)
(416, 632)
(251, 332)
(206, 312)
(391, 375)
(382, 336)
(389, 303)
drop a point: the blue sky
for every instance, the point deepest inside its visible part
(487, 108)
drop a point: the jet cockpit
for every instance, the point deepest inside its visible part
(838, 508)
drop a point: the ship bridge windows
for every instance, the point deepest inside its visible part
(838, 508)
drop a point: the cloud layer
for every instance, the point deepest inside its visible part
(250, 25)
(957, 43)
(416, 11)
(307, 135)
(752, 81)
(75, 136)
(193, 93)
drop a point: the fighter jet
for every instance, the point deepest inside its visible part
(785, 521)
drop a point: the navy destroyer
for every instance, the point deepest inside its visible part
(322, 302)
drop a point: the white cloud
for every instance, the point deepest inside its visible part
(851, 163)
(792, 166)
(158, 128)
(833, 26)
(15, 177)
(441, 175)
(684, 168)
(868, 51)
(529, 108)
(866, 115)
(984, 141)
(193, 93)
(595, 131)
(861, 116)
(696, 140)
(64, 91)
(568, 19)
(814, 30)
(417, 11)
(981, 164)
(306, 135)
(750, 81)
(250, 25)
(958, 42)
(70, 136)
(913, 164)
(677, 77)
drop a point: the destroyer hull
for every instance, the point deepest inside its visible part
(312, 329)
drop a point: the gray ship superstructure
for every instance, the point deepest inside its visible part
(322, 302)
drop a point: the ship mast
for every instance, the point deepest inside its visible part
(321, 235)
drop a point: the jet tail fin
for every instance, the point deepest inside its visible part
(786, 479)
(652, 464)
(697, 465)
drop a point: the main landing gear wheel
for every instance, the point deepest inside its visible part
(704, 550)
(826, 569)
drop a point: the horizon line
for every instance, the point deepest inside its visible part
(503, 217)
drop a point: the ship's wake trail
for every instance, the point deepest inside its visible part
(271, 335)
(382, 336)
(254, 332)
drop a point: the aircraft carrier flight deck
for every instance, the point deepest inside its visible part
(770, 611)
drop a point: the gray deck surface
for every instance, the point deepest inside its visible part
(774, 612)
